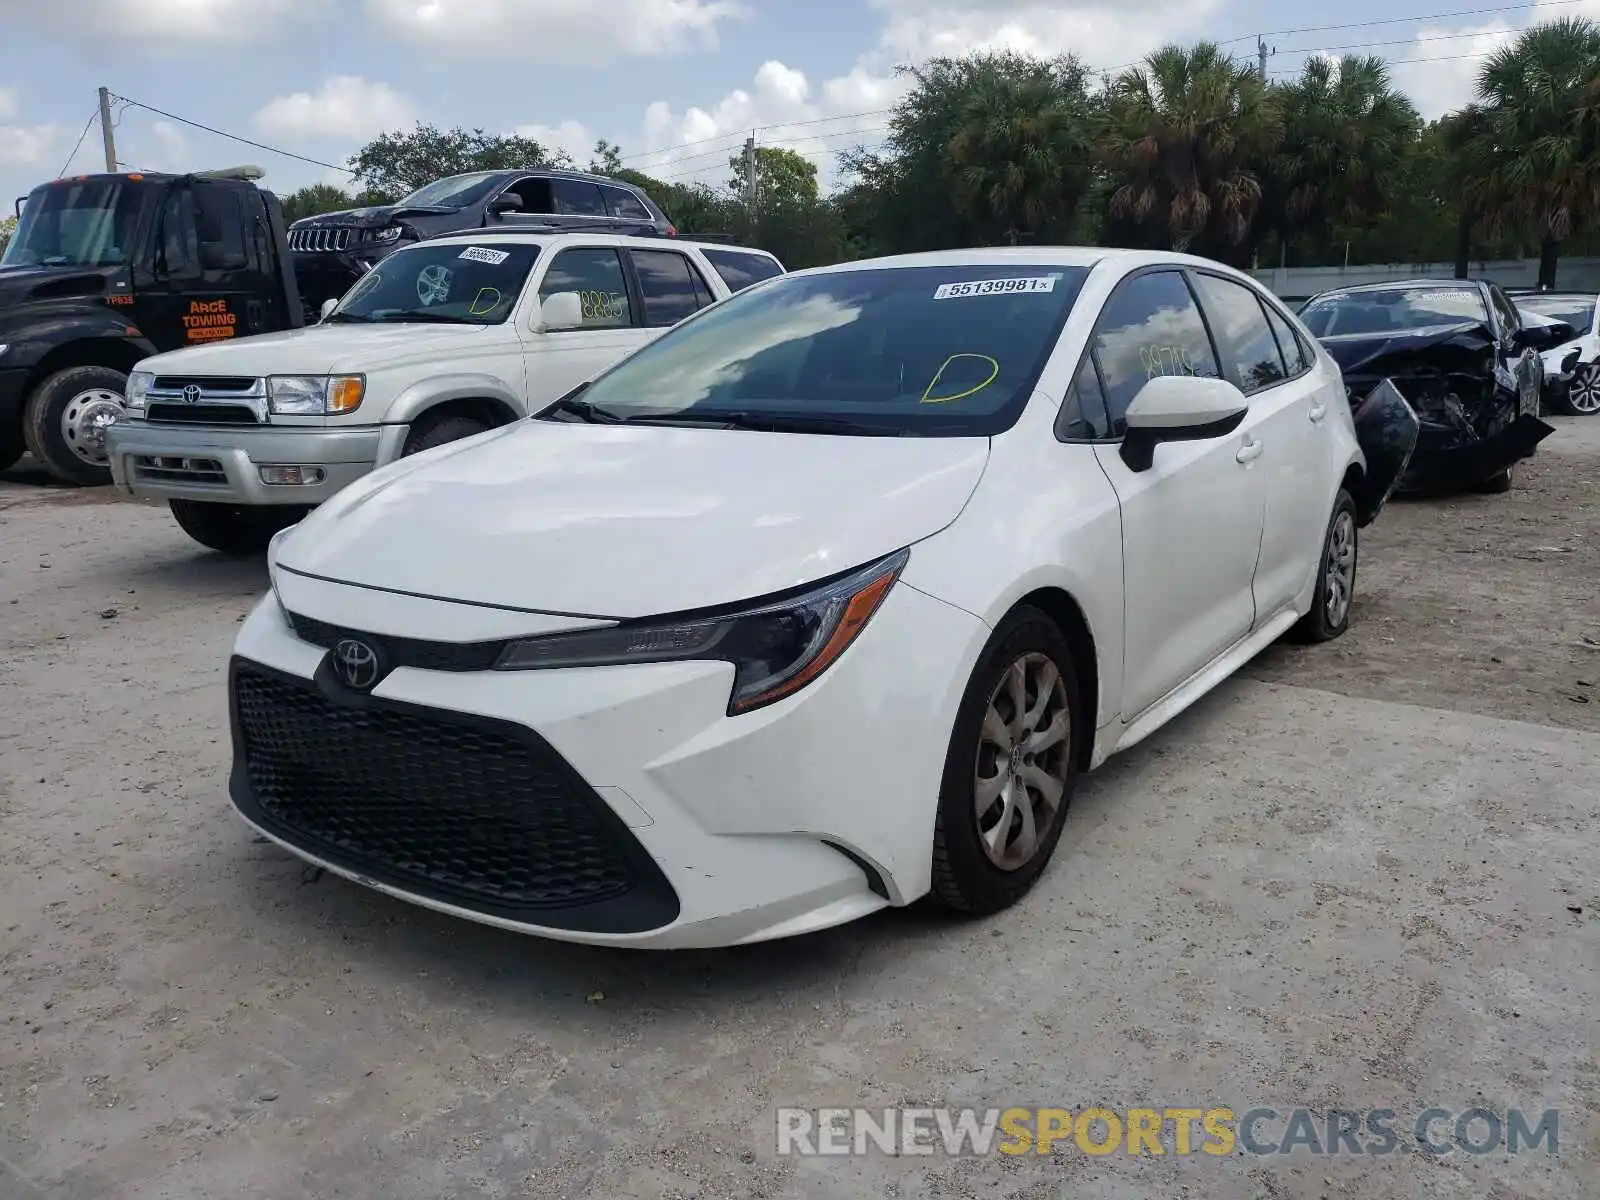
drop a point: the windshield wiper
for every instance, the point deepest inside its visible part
(583, 410)
(771, 423)
(421, 318)
(342, 317)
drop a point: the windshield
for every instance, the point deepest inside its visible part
(457, 191)
(447, 283)
(87, 224)
(1577, 311)
(925, 351)
(1392, 310)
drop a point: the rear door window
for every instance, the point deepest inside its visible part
(1243, 336)
(739, 268)
(626, 205)
(668, 285)
(577, 197)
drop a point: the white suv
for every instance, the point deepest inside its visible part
(441, 341)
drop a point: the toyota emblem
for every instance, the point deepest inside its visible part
(191, 394)
(355, 663)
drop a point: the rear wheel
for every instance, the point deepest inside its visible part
(1334, 594)
(65, 419)
(1010, 768)
(1583, 394)
(1496, 484)
(429, 432)
(233, 528)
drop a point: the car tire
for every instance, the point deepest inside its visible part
(438, 431)
(977, 868)
(1582, 396)
(1333, 598)
(64, 420)
(12, 445)
(1497, 484)
(235, 529)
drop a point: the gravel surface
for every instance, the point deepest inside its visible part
(1361, 875)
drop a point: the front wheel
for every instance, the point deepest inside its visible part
(64, 423)
(1010, 768)
(233, 528)
(1583, 394)
(1335, 592)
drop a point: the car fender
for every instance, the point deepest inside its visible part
(425, 394)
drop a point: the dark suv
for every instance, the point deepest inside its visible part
(332, 250)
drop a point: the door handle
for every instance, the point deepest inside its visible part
(1318, 411)
(1250, 451)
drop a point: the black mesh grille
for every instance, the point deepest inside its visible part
(404, 652)
(481, 814)
(202, 414)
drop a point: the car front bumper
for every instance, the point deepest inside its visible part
(806, 814)
(223, 464)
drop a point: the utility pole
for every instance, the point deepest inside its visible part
(105, 131)
(750, 173)
(1262, 50)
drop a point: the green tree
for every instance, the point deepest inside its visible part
(394, 164)
(313, 199)
(8, 226)
(1536, 156)
(1186, 137)
(1348, 136)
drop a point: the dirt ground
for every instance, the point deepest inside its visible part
(1360, 875)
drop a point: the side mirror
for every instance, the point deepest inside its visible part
(504, 204)
(1179, 408)
(328, 306)
(558, 311)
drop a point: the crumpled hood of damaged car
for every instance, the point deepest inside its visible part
(1437, 350)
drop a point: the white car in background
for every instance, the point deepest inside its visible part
(1581, 310)
(820, 603)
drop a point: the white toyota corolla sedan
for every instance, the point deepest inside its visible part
(819, 604)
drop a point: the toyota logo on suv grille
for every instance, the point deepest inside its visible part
(355, 663)
(191, 394)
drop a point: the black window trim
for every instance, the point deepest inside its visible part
(1175, 268)
(1261, 299)
(635, 286)
(1104, 413)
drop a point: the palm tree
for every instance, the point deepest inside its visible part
(1536, 160)
(1183, 134)
(1021, 154)
(1347, 133)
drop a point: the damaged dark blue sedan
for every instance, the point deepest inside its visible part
(1464, 359)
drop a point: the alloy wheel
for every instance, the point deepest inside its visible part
(1023, 760)
(1584, 392)
(1340, 569)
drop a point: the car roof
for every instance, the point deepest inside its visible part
(1519, 297)
(1086, 257)
(1397, 285)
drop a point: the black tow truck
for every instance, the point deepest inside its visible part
(106, 270)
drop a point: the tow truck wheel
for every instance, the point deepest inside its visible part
(233, 528)
(65, 420)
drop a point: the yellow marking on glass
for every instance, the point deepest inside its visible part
(929, 398)
(475, 311)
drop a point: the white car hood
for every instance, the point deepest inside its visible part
(611, 521)
(321, 350)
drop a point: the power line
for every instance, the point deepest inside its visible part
(732, 138)
(1443, 37)
(316, 162)
(794, 141)
(87, 125)
(1438, 16)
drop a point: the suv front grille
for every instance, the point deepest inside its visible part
(201, 414)
(480, 814)
(318, 239)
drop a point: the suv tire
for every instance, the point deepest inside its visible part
(63, 423)
(233, 528)
(430, 432)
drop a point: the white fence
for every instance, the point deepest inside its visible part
(1296, 283)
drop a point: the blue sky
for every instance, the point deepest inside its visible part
(676, 83)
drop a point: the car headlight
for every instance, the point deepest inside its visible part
(391, 234)
(139, 385)
(315, 395)
(4, 347)
(776, 648)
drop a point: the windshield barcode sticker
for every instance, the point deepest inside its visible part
(485, 255)
(995, 287)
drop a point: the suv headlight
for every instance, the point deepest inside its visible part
(139, 385)
(776, 648)
(391, 234)
(315, 395)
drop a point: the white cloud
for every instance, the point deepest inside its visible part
(28, 145)
(171, 145)
(1439, 71)
(571, 136)
(345, 106)
(8, 102)
(159, 24)
(566, 31)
